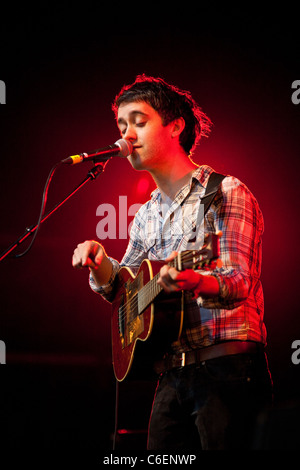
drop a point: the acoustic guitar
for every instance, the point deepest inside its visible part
(143, 313)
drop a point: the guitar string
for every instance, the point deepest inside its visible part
(145, 292)
(133, 302)
(152, 286)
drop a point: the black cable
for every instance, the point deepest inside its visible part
(43, 207)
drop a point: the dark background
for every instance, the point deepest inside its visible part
(62, 66)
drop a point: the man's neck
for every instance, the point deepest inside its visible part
(173, 177)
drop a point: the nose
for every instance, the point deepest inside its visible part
(130, 134)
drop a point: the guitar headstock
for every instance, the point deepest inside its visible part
(205, 258)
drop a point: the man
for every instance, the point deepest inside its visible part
(208, 397)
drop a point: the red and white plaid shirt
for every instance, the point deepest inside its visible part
(237, 313)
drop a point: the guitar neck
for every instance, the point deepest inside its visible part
(193, 259)
(148, 293)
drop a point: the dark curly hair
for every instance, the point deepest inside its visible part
(171, 103)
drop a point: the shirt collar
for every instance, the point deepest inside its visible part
(200, 175)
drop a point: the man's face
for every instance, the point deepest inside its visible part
(139, 123)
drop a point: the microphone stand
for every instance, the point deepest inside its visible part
(92, 175)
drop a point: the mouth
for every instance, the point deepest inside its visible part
(135, 149)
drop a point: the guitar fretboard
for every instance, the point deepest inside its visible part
(150, 291)
(187, 259)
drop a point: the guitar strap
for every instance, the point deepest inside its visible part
(214, 181)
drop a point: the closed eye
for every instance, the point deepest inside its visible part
(137, 124)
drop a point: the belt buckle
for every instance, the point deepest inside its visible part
(182, 359)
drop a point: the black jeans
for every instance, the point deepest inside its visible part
(213, 405)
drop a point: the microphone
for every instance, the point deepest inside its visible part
(121, 148)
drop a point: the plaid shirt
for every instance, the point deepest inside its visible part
(237, 313)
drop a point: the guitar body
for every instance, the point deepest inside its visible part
(151, 329)
(144, 317)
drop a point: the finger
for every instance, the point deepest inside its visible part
(188, 279)
(167, 280)
(172, 256)
(76, 261)
(166, 286)
(99, 256)
(82, 257)
(164, 276)
(173, 274)
(87, 262)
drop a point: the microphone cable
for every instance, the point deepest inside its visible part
(42, 210)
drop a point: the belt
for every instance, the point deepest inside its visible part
(198, 356)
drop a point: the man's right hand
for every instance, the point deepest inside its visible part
(91, 254)
(88, 254)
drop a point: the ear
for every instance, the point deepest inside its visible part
(177, 126)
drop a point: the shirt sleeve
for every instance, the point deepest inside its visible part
(132, 258)
(236, 213)
(136, 252)
(106, 290)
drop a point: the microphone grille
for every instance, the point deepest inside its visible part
(126, 147)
